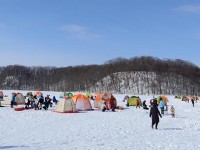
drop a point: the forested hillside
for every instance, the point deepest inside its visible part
(137, 75)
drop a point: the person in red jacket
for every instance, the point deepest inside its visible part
(137, 103)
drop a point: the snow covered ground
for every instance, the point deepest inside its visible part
(126, 129)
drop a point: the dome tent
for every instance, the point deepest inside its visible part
(19, 99)
(82, 102)
(66, 105)
(132, 101)
(104, 97)
(163, 98)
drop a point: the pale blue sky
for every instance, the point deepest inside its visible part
(81, 32)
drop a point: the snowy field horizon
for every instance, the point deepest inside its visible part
(95, 130)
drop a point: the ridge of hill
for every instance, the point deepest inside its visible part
(137, 75)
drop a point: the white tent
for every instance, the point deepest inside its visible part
(66, 105)
(19, 99)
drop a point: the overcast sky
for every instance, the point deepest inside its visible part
(80, 32)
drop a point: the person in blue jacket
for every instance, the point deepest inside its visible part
(55, 100)
(41, 102)
(13, 100)
(161, 105)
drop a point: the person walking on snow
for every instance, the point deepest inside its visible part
(154, 114)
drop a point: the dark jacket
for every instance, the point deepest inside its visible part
(154, 112)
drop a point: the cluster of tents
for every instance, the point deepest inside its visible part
(131, 101)
(69, 103)
(187, 98)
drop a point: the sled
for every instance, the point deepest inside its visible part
(19, 109)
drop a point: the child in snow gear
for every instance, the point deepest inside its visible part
(161, 105)
(137, 103)
(172, 111)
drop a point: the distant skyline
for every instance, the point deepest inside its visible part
(75, 32)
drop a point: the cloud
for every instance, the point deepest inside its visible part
(189, 8)
(2, 25)
(80, 32)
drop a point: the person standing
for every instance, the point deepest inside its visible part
(192, 100)
(154, 114)
(137, 103)
(172, 111)
(13, 100)
(161, 105)
(41, 102)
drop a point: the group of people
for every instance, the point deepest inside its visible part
(107, 106)
(32, 101)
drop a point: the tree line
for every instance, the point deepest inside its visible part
(162, 74)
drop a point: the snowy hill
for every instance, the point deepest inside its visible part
(95, 130)
(142, 83)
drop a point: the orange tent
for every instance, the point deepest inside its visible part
(104, 97)
(38, 94)
(82, 102)
(164, 99)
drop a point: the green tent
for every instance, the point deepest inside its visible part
(88, 94)
(132, 101)
(163, 98)
(69, 94)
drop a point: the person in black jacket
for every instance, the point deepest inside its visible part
(154, 112)
(144, 105)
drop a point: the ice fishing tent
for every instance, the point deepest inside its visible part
(125, 98)
(132, 101)
(163, 98)
(19, 99)
(66, 105)
(185, 98)
(104, 97)
(82, 102)
(88, 94)
(38, 94)
(69, 94)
